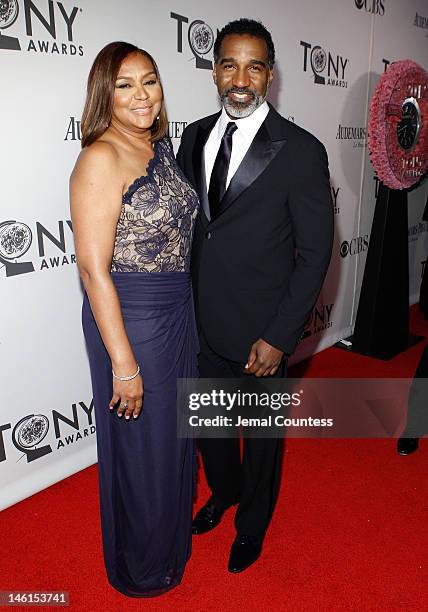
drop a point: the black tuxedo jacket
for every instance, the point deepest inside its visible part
(259, 264)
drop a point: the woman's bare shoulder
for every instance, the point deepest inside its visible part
(99, 157)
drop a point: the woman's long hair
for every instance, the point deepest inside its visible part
(100, 91)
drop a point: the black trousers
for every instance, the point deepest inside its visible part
(417, 414)
(423, 293)
(252, 482)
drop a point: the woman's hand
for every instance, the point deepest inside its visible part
(129, 395)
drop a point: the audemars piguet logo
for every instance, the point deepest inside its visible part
(328, 68)
(57, 22)
(74, 131)
(357, 134)
(176, 128)
(421, 21)
(415, 230)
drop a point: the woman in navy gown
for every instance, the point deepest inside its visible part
(133, 238)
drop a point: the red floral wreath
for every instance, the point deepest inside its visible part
(382, 123)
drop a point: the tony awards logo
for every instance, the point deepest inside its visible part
(51, 17)
(67, 430)
(327, 68)
(9, 10)
(318, 63)
(28, 433)
(15, 240)
(199, 36)
(201, 40)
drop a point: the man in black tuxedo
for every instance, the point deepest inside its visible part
(261, 250)
(417, 413)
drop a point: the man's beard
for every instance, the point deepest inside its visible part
(239, 110)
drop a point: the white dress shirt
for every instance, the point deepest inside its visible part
(241, 140)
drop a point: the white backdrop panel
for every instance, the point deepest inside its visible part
(45, 375)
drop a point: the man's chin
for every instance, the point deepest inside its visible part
(239, 110)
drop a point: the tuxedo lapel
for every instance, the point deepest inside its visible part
(261, 152)
(198, 161)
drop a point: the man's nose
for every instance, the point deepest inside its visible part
(241, 78)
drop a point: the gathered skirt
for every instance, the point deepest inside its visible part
(146, 473)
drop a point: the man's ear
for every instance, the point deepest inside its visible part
(215, 74)
(269, 81)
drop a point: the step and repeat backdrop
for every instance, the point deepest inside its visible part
(47, 425)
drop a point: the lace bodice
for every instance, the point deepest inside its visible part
(155, 227)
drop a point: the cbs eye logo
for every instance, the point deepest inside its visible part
(355, 246)
(376, 7)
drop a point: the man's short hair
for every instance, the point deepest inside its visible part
(246, 26)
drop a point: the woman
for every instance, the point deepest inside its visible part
(133, 238)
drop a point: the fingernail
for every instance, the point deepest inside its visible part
(127, 417)
(119, 414)
(110, 407)
(135, 416)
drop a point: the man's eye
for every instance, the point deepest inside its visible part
(255, 68)
(227, 66)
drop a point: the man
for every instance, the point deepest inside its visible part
(417, 415)
(261, 250)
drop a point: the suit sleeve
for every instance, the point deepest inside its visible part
(311, 211)
(180, 157)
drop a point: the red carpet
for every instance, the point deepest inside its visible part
(349, 533)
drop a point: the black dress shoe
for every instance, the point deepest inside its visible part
(245, 550)
(407, 446)
(209, 516)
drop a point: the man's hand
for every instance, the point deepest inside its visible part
(263, 360)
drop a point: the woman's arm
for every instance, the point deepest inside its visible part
(96, 195)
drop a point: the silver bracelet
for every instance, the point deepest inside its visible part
(127, 377)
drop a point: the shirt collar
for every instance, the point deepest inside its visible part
(249, 125)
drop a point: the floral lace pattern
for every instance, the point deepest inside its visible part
(155, 227)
